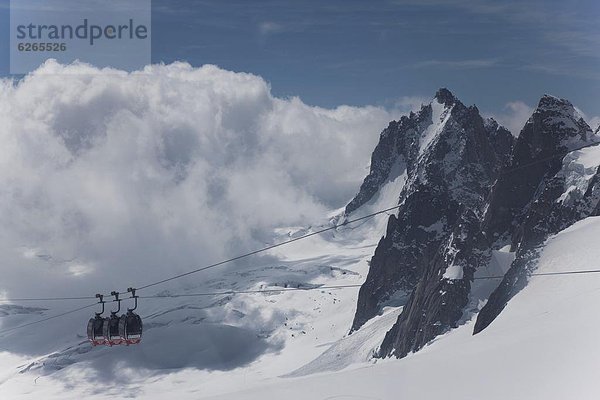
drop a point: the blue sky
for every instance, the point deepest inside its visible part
(377, 52)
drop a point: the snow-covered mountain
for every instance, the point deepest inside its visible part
(548, 186)
(428, 255)
(471, 189)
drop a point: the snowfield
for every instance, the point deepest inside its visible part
(214, 343)
(543, 346)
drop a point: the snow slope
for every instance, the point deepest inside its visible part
(440, 114)
(356, 348)
(543, 346)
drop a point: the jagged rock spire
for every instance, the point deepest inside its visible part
(445, 97)
(452, 156)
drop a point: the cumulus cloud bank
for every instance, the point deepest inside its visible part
(111, 178)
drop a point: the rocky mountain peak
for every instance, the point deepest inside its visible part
(452, 157)
(470, 188)
(403, 142)
(560, 121)
(445, 97)
(530, 203)
(550, 102)
(554, 127)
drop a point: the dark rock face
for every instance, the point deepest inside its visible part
(470, 189)
(402, 255)
(501, 139)
(458, 158)
(543, 220)
(438, 301)
(397, 143)
(525, 204)
(551, 130)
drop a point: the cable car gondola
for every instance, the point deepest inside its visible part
(111, 325)
(115, 330)
(130, 324)
(95, 331)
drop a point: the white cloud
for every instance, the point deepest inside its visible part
(111, 179)
(514, 116)
(269, 27)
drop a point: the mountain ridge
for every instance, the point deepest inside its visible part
(458, 206)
